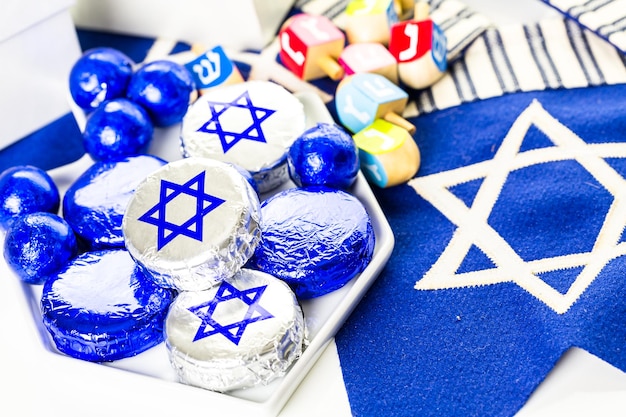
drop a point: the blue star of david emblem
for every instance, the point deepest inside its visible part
(232, 331)
(192, 227)
(230, 138)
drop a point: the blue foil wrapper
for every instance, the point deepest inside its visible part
(26, 189)
(101, 307)
(324, 155)
(316, 239)
(37, 245)
(100, 74)
(165, 89)
(95, 203)
(117, 129)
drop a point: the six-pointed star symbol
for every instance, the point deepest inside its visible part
(228, 131)
(192, 227)
(473, 228)
(232, 331)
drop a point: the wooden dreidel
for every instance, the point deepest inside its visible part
(213, 68)
(362, 98)
(310, 46)
(388, 154)
(369, 57)
(419, 46)
(370, 20)
(405, 8)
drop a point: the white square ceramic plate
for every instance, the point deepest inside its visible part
(146, 383)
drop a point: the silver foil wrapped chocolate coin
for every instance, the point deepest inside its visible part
(251, 124)
(192, 223)
(243, 332)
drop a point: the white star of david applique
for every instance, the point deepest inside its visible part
(474, 230)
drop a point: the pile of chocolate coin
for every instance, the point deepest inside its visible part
(202, 253)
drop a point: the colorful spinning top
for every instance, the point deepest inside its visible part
(369, 57)
(310, 46)
(388, 154)
(419, 46)
(362, 98)
(213, 68)
(370, 20)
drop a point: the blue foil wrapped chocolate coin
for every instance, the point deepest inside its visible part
(37, 245)
(192, 223)
(250, 124)
(100, 74)
(95, 203)
(101, 307)
(26, 189)
(243, 332)
(117, 129)
(165, 89)
(316, 239)
(324, 155)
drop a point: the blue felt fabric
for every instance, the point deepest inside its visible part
(481, 351)
(61, 140)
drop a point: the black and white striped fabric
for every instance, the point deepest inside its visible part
(605, 17)
(552, 54)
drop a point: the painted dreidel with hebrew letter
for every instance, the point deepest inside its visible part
(420, 46)
(310, 46)
(213, 68)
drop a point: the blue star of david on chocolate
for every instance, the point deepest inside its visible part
(233, 331)
(230, 138)
(192, 227)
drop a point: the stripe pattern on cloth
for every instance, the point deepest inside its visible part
(605, 17)
(551, 54)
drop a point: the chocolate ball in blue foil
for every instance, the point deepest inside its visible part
(100, 74)
(26, 189)
(316, 239)
(37, 245)
(101, 307)
(165, 89)
(324, 155)
(192, 223)
(95, 203)
(250, 124)
(117, 129)
(245, 331)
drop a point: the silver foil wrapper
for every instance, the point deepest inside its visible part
(192, 223)
(243, 332)
(251, 124)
